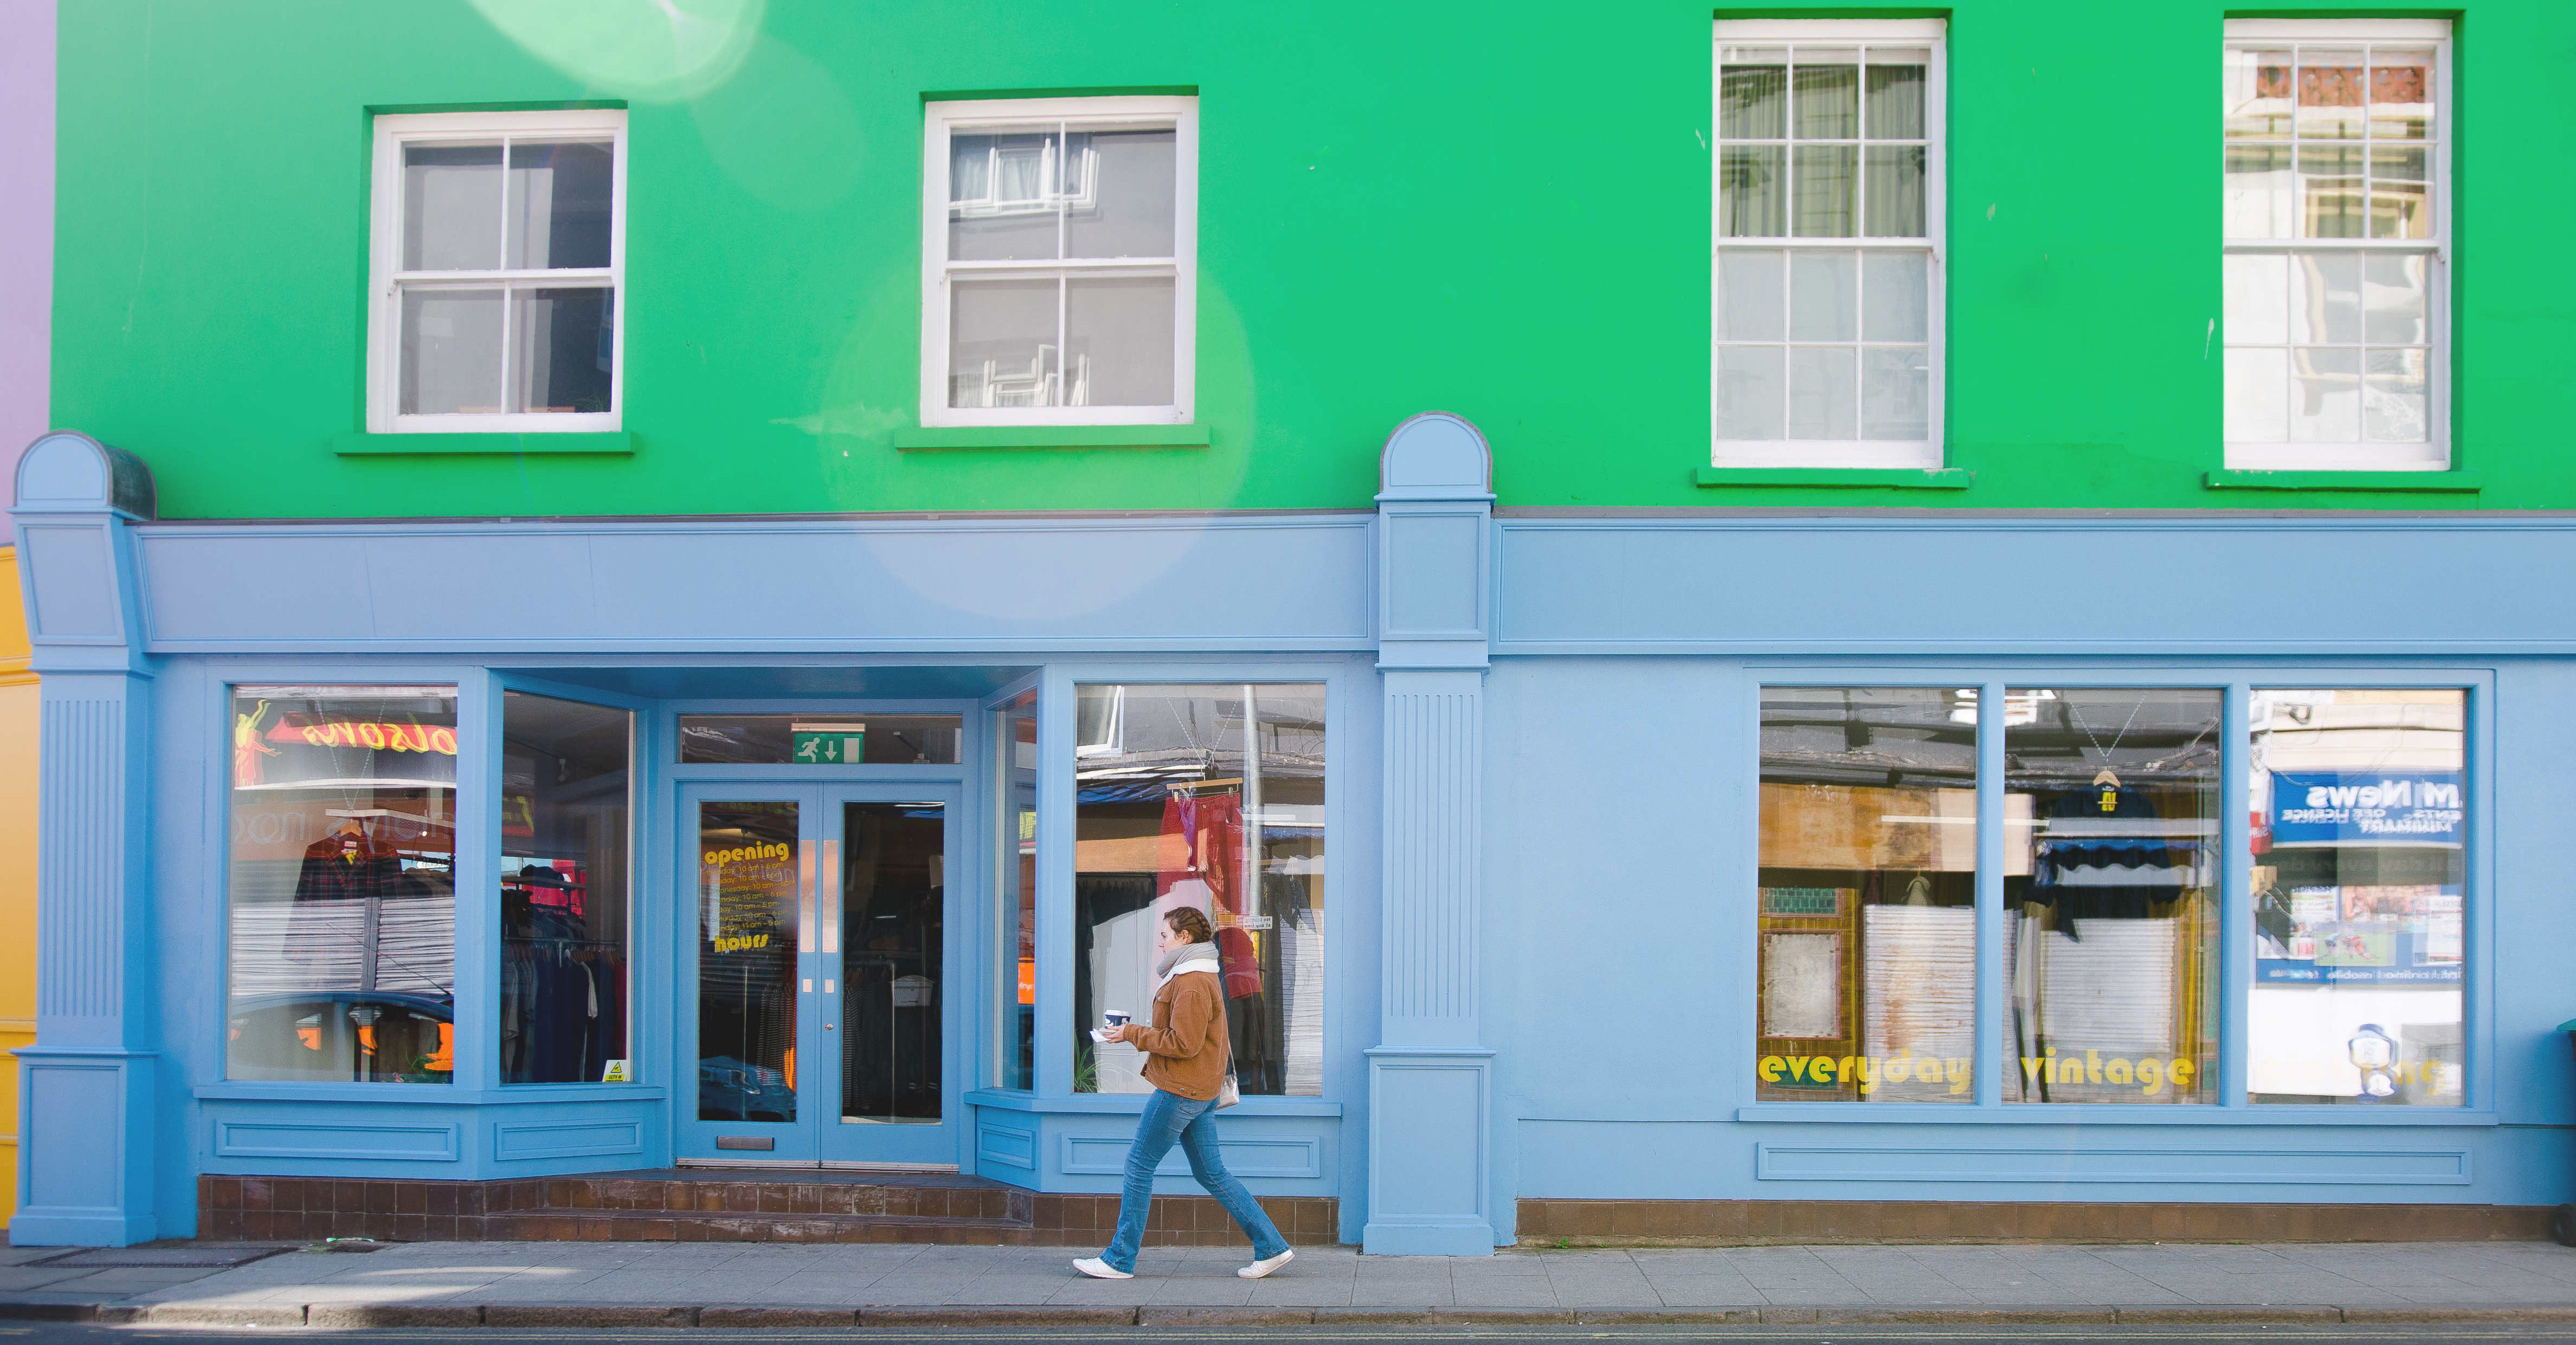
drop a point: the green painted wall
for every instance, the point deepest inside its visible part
(1495, 209)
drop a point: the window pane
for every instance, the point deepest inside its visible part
(2257, 197)
(1752, 199)
(2399, 203)
(561, 195)
(1868, 921)
(2325, 297)
(451, 207)
(1894, 191)
(2257, 309)
(2111, 893)
(2394, 405)
(1824, 296)
(451, 352)
(1120, 193)
(1016, 880)
(2258, 94)
(1118, 341)
(818, 738)
(1002, 343)
(1896, 394)
(1752, 294)
(1824, 190)
(564, 788)
(2330, 93)
(2258, 396)
(1002, 199)
(2325, 395)
(2330, 191)
(2392, 297)
(2401, 95)
(343, 884)
(1895, 102)
(564, 347)
(1826, 101)
(1171, 810)
(1896, 296)
(746, 894)
(1823, 396)
(894, 892)
(2360, 810)
(1752, 388)
(1752, 102)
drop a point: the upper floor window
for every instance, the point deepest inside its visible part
(1828, 248)
(1059, 261)
(498, 253)
(2337, 219)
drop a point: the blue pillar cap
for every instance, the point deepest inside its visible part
(69, 471)
(1437, 455)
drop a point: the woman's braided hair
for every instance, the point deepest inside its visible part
(1191, 922)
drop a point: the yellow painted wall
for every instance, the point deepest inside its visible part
(18, 721)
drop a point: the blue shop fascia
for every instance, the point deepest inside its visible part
(1697, 857)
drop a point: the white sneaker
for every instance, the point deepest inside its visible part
(1260, 1268)
(1098, 1269)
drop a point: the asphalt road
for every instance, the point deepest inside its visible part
(69, 1333)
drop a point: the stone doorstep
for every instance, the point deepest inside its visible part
(348, 1316)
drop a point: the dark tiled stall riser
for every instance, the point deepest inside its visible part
(712, 1206)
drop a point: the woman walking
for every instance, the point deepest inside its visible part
(1187, 1057)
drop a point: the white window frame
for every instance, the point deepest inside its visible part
(1826, 453)
(2435, 454)
(386, 280)
(943, 119)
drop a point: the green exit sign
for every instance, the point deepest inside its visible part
(827, 744)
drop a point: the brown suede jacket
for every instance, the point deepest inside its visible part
(1187, 1049)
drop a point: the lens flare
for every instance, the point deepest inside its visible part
(657, 51)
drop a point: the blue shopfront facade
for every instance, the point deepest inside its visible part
(1550, 849)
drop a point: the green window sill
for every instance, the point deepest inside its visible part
(2452, 482)
(1876, 478)
(1051, 436)
(618, 442)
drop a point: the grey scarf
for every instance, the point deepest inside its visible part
(1188, 952)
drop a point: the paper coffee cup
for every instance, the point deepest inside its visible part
(1115, 1017)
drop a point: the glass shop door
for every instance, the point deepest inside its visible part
(814, 974)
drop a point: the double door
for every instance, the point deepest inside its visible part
(817, 973)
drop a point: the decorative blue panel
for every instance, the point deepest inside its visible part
(1009, 1146)
(337, 1140)
(71, 573)
(81, 854)
(1434, 776)
(519, 1141)
(1434, 559)
(1106, 1155)
(2335, 1166)
(71, 1123)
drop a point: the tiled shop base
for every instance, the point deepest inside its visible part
(1609, 1223)
(719, 1205)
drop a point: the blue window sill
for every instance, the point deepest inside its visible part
(1051, 436)
(2453, 482)
(1112, 1104)
(2079, 1114)
(426, 1094)
(615, 443)
(1873, 478)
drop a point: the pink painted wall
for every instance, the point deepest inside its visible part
(26, 221)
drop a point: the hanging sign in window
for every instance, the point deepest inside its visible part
(2423, 808)
(827, 744)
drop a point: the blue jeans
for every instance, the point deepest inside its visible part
(1169, 1119)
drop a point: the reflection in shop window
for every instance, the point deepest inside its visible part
(2112, 895)
(342, 884)
(1868, 919)
(1212, 797)
(1016, 934)
(563, 885)
(2360, 807)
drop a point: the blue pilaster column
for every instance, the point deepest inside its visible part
(86, 1138)
(1430, 1078)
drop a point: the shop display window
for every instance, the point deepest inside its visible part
(2360, 817)
(1868, 882)
(819, 739)
(565, 788)
(342, 885)
(2112, 895)
(1015, 937)
(1212, 797)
